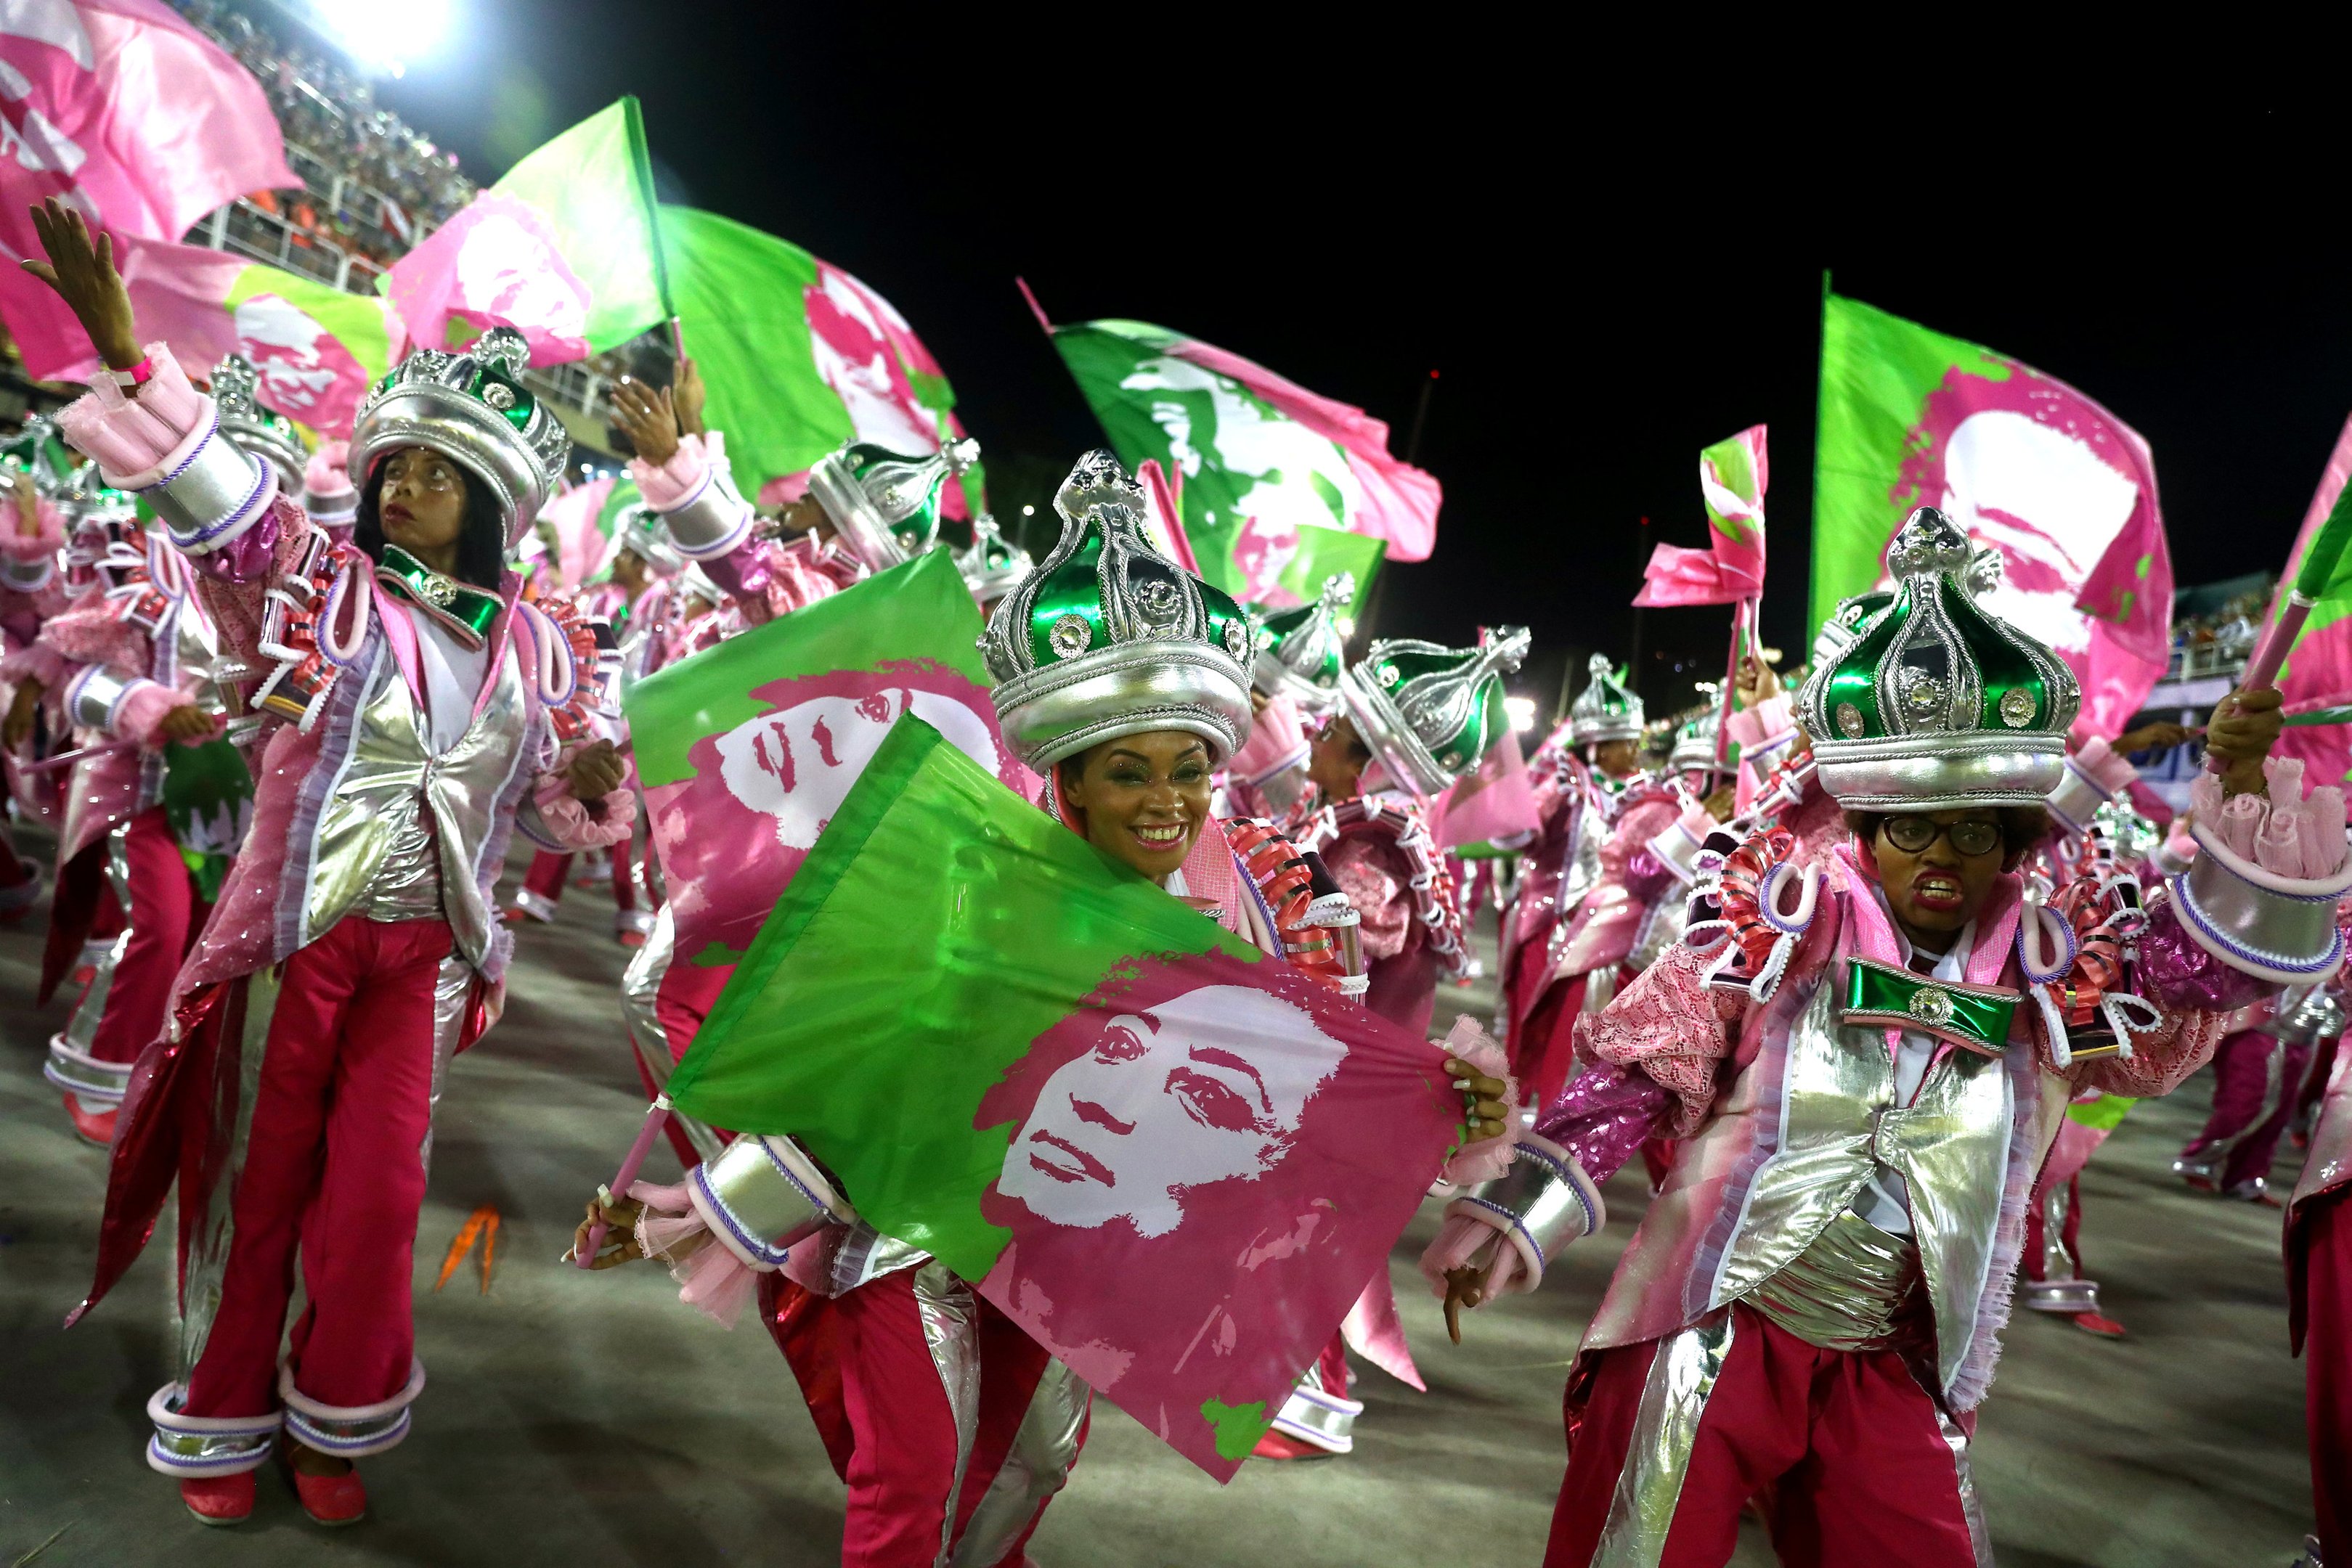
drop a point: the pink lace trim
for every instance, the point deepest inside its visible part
(1670, 1026)
(673, 483)
(712, 1280)
(134, 440)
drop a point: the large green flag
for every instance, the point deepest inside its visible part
(1135, 1130)
(1281, 488)
(563, 249)
(798, 356)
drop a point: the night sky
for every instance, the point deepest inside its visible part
(1608, 273)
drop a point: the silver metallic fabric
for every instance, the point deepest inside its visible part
(74, 1039)
(1988, 768)
(407, 881)
(1543, 1202)
(2274, 927)
(391, 778)
(640, 992)
(26, 575)
(453, 992)
(191, 1448)
(1313, 1413)
(1965, 1483)
(2076, 799)
(1847, 1291)
(1127, 688)
(347, 1432)
(1035, 1468)
(96, 694)
(765, 1195)
(219, 493)
(236, 1069)
(1683, 1374)
(950, 1319)
(1839, 1121)
(710, 522)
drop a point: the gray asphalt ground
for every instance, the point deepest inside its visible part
(584, 1421)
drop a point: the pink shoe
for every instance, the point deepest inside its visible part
(93, 1127)
(2093, 1322)
(219, 1500)
(331, 1500)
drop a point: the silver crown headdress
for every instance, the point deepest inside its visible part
(1300, 653)
(1604, 709)
(1934, 702)
(643, 534)
(473, 407)
(236, 387)
(1694, 741)
(993, 563)
(887, 505)
(1429, 711)
(1109, 637)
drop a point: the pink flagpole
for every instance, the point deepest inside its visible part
(655, 1114)
(1742, 612)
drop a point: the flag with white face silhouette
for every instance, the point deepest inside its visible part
(1174, 1161)
(2021, 461)
(747, 750)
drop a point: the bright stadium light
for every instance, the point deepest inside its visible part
(381, 38)
(1522, 711)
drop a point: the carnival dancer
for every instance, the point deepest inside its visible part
(1868, 1061)
(1123, 680)
(2258, 1071)
(640, 558)
(1577, 797)
(1295, 678)
(32, 590)
(1426, 714)
(2319, 1311)
(415, 716)
(865, 510)
(125, 671)
(994, 565)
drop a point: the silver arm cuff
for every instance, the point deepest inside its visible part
(95, 696)
(761, 1195)
(1678, 851)
(2276, 928)
(1542, 1202)
(2076, 799)
(713, 520)
(216, 493)
(27, 576)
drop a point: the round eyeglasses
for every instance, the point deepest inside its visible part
(1969, 835)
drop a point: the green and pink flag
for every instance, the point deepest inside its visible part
(316, 349)
(747, 750)
(564, 249)
(1731, 480)
(2316, 679)
(798, 357)
(1173, 1161)
(1280, 489)
(2024, 463)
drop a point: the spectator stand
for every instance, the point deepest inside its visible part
(2214, 628)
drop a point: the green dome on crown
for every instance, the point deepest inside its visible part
(886, 503)
(1429, 711)
(1110, 637)
(471, 406)
(1933, 702)
(1301, 654)
(1605, 709)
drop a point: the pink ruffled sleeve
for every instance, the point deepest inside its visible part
(48, 537)
(1367, 871)
(1670, 1026)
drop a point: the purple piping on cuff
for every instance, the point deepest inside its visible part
(2174, 972)
(1602, 1117)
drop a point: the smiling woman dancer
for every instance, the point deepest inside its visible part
(1866, 1059)
(1124, 680)
(355, 947)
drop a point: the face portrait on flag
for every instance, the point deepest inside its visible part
(797, 765)
(1190, 1126)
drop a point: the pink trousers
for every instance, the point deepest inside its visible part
(165, 915)
(1854, 1461)
(872, 1383)
(2257, 1079)
(336, 1163)
(2319, 1254)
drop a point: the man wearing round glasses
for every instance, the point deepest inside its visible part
(1865, 1050)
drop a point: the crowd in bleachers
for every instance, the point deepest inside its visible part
(372, 186)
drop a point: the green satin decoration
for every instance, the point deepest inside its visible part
(1072, 590)
(1856, 679)
(466, 609)
(1999, 665)
(1978, 1017)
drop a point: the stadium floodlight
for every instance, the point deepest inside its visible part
(382, 37)
(1522, 711)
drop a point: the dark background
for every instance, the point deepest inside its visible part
(1609, 265)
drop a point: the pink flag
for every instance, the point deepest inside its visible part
(124, 112)
(1731, 480)
(1494, 801)
(2318, 672)
(580, 543)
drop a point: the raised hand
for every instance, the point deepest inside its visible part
(648, 418)
(82, 272)
(2243, 728)
(688, 393)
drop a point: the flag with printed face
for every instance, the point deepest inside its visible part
(797, 357)
(2021, 461)
(747, 750)
(563, 249)
(123, 111)
(1281, 488)
(2316, 679)
(316, 349)
(1173, 1160)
